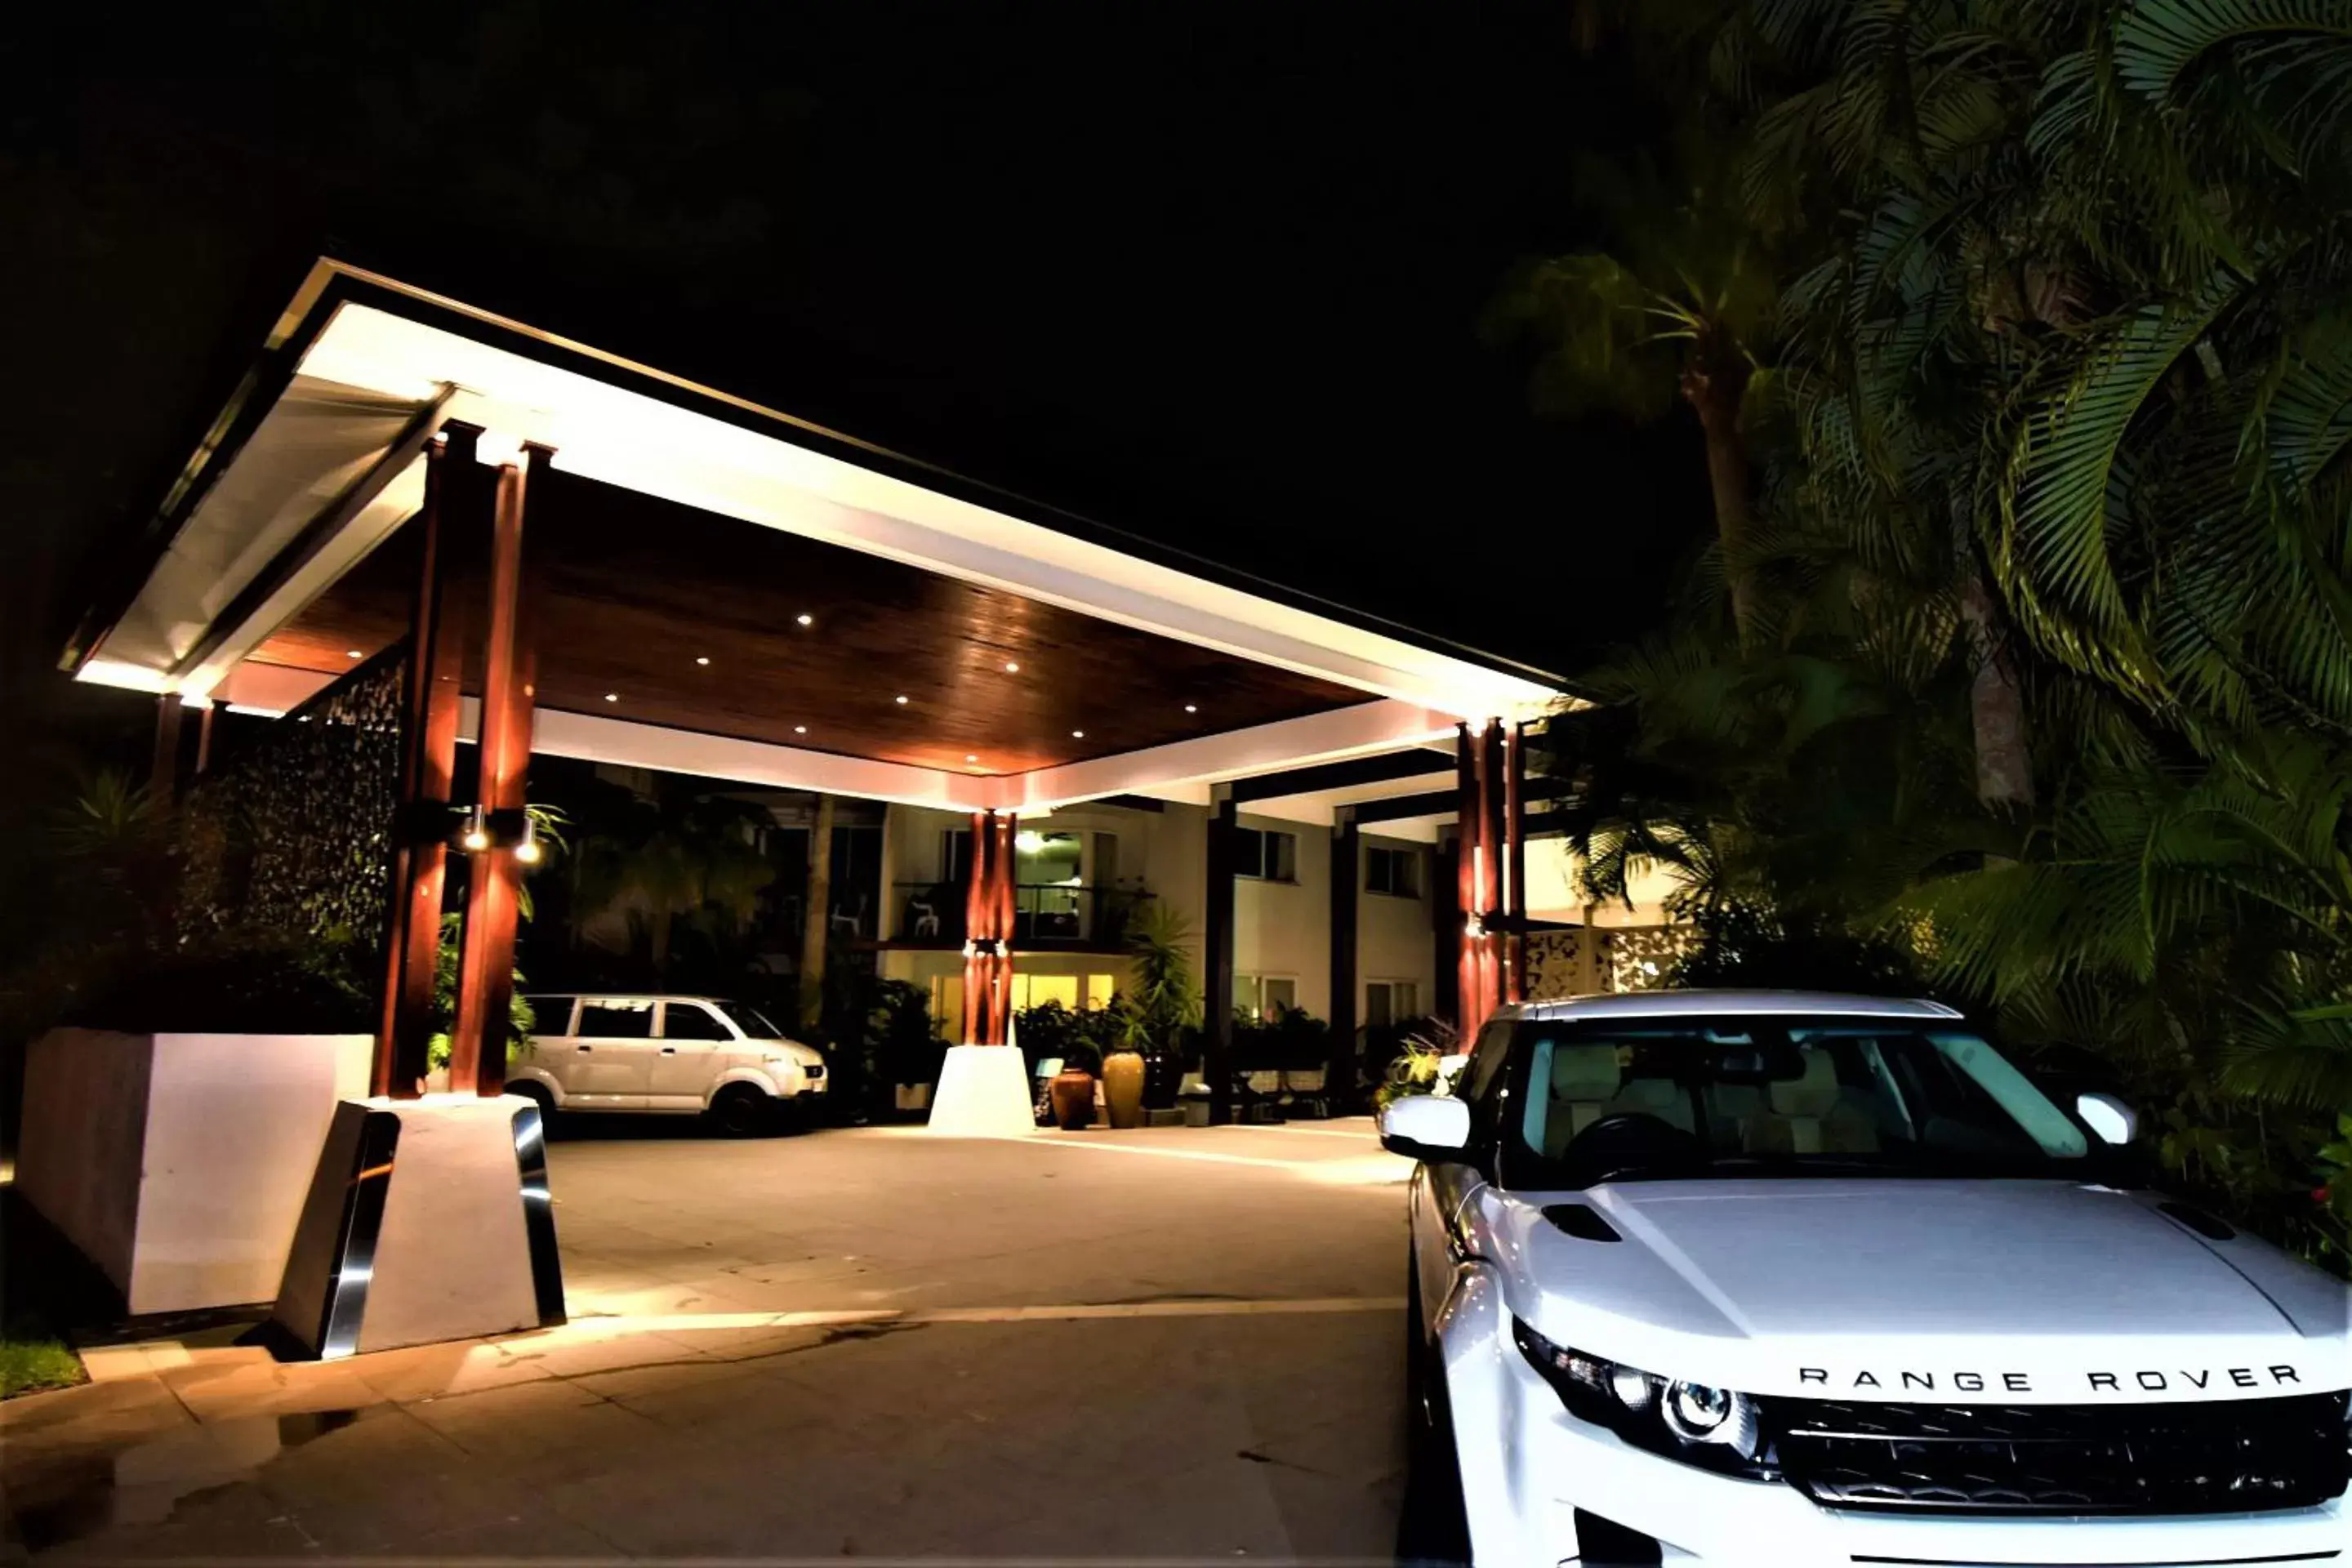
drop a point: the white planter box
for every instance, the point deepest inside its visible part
(178, 1163)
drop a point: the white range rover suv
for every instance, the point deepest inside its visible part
(1758, 1277)
(614, 1051)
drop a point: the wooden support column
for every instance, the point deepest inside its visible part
(422, 822)
(1346, 878)
(1470, 857)
(205, 738)
(988, 931)
(478, 1045)
(1217, 959)
(1445, 928)
(1482, 766)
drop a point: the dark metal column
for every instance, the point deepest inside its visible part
(163, 776)
(1217, 960)
(1346, 878)
(478, 1045)
(1515, 865)
(421, 826)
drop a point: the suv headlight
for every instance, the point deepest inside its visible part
(1692, 1422)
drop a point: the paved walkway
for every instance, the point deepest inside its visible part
(1176, 1344)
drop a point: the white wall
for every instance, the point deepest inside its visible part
(1393, 937)
(1284, 929)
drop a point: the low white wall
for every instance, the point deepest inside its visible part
(178, 1163)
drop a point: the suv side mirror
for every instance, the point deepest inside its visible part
(2109, 1117)
(1426, 1127)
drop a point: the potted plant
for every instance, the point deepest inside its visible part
(1165, 1003)
(906, 1041)
(1071, 1090)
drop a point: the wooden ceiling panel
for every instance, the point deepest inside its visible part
(638, 593)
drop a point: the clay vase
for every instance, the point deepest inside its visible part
(1072, 1090)
(1123, 1088)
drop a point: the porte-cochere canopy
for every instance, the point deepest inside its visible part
(598, 560)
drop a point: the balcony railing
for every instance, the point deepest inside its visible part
(1045, 914)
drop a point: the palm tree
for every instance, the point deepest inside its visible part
(677, 855)
(1677, 309)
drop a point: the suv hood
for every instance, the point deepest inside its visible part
(2015, 1291)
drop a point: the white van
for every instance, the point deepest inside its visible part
(623, 1051)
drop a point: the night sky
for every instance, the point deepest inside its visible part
(1212, 275)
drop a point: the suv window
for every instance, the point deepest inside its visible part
(691, 1021)
(1749, 1097)
(550, 1015)
(606, 1019)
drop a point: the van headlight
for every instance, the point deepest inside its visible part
(1694, 1422)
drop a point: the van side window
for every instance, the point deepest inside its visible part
(691, 1021)
(610, 1020)
(550, 1015)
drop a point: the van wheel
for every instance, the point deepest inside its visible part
(743, 1112)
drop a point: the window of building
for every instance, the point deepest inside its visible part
(1396, 872)
(604, 1019)
(1388, 1002)
(1264, 997)
(691, 1021)
(1072, 991)
(1266, 855)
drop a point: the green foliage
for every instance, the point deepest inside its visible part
(901, 1039)
(1167, 997)
(680, 858)
(445, 999)
(31, 1362)
(2045, 699)
(1413, 1069)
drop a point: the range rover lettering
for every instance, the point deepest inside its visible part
(1772, 1277)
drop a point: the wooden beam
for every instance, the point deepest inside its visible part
(1397, 808)
(1350, 773)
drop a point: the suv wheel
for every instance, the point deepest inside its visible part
(743, 1112)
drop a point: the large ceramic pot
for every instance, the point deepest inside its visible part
(1072, 1091)
(1123, 1088)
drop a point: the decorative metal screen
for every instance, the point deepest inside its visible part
(292, 834)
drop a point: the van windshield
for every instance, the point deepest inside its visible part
(1750, 1098)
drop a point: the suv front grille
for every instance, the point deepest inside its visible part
(2220, 1458)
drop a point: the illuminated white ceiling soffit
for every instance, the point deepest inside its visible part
(630, 440)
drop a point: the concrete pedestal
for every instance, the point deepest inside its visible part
(178, 1163)
(983, 1092)
(428, 1220)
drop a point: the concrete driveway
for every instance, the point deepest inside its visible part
(1174, 1344)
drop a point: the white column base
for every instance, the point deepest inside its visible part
(983, 1092)
(428, 1221)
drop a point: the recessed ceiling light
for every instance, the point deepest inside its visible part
(1078, 734)
(799, 729)
(1011, 667)
(971, 757)
(901, 701)
(353, 653)
(612, 697)
(1191, 708)
(805, 620)
(704, 659)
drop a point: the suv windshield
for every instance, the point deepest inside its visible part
(1582, 1103)
(750, 1020)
